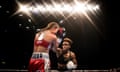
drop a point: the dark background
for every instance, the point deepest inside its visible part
(94, 49)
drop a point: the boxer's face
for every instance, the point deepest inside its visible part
(55, 29)
(66, 45)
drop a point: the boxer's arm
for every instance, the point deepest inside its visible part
(72, 64)
(59, 52)
(74, 58)
(55, 45)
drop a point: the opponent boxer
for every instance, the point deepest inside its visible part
(66, 58)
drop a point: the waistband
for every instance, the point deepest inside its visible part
(37, 55)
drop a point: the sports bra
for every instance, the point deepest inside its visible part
(42, 42)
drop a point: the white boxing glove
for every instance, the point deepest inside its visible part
(71, 65)
(59, 40)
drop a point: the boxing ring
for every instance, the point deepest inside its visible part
(23, 70)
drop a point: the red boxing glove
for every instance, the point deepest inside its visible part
(61, 32)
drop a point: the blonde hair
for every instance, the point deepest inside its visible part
(50, 25)
(68, 40)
